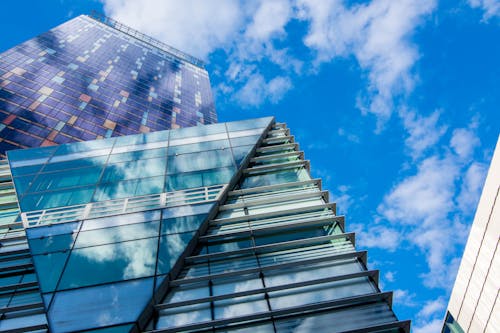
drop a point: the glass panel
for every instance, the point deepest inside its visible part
(184, 315)
(230, 244)
(117, 234)
(248, 124)
(240, 306)
(85, 162)
(194, 131)
(68, 178)
(46, 200)
(187, 292)
(182, 224)
(199, 146)
(52, 230)
(51, 243)
(142, 168)
(137, 155)
(171, 247)
(49, 268)
(98, 306)
(355, 317)
(109, 263)
(118, 220)
(234, 285)
(311, 272)
(199, 161)
(276, 177)
(129, 188)
(320, 292)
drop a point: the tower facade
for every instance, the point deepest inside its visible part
(93, 77)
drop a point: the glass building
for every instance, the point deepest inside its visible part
(92, 78)
(214, 228)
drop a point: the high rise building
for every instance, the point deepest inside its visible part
(474, 304)
(216, 227)
(93, 77)
(155, 227)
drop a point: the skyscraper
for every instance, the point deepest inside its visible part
(474, 304)
(88, 78)
(216, 227)
(93, 77)
(208, 228)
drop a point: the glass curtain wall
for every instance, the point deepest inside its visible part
(276, 258)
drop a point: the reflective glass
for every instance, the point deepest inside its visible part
(320, 292)
(117, 220)
(199, 161)
(182, 224)
(171, 247)
(84, 162)
(49, 268)
(142, 168)
(249, 124)
(117, 234)
(99, 306)
(68, 178)
(51, 243)
(276, 177)
(240, 306)
(109, 263)
(129, 188)
(184, 315)
(137, 155)
(60, 198)
(199, 146)
(187, 292)
(52, 230)
(194, 131)
(233, 285)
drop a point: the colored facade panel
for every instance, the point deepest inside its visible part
(86, 79)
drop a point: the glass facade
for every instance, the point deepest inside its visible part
(228, 233)
(107, 220)
(88, 79)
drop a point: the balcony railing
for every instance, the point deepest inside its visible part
(122, 206)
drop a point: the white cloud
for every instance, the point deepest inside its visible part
(491, 8)
(389, 276)
(430, 206)
(464, 141)
(377, 236)
(270, 19)
(472, 185)
(424, 197)
(377, 34)
(424, 132)
(256, 90)
(404, 297)
(196, 27)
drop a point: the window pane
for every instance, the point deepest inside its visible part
(109, 263)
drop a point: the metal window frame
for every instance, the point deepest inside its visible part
(260, 249)
(371, 274)
(361, 255)
(340, 303)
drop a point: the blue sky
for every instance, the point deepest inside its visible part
(396, 104)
